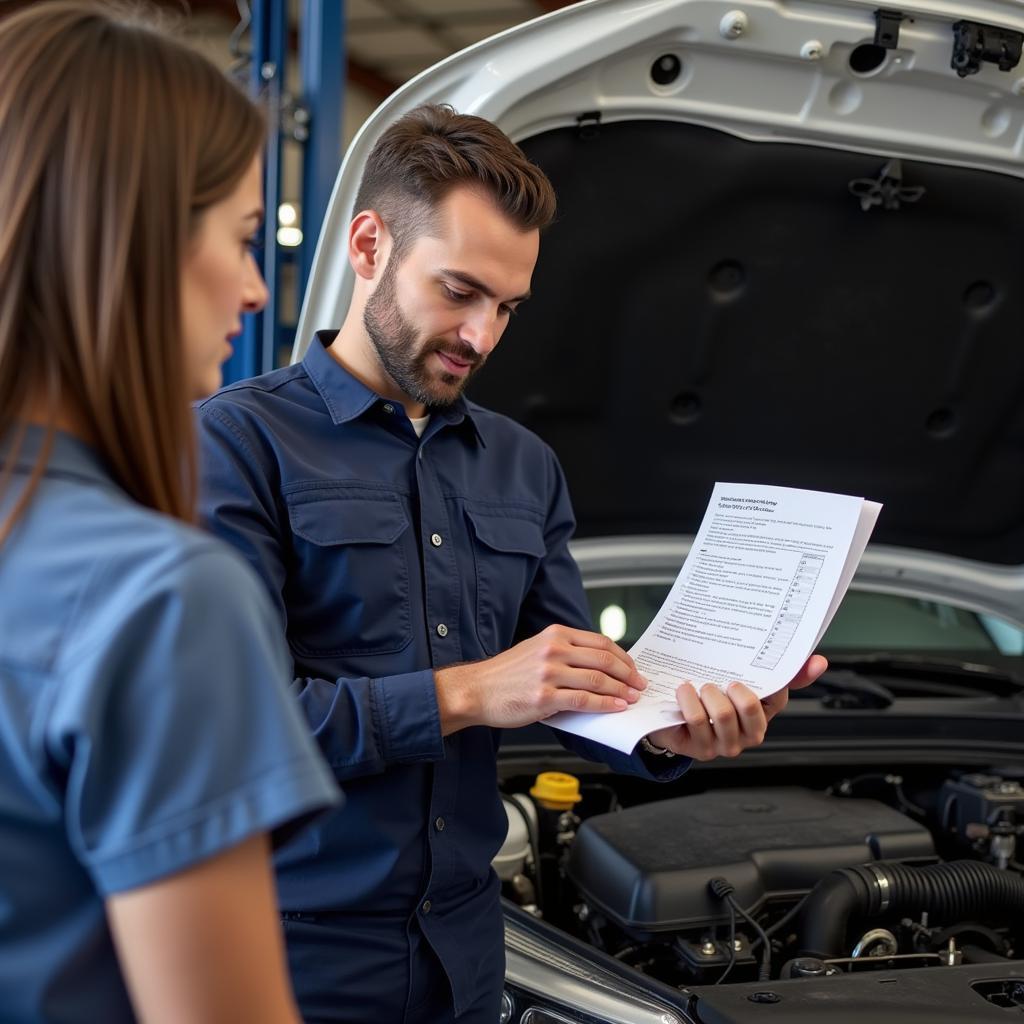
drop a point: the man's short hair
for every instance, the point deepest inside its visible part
(431, 150)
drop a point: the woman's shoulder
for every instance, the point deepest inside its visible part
(130, 559)
(82, 558)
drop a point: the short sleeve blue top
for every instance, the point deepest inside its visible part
(145, 724)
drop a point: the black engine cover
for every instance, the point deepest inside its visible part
(970, 994)
(647, 868)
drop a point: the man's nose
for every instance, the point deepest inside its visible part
(481, 332)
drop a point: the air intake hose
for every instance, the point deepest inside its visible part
(963, 889)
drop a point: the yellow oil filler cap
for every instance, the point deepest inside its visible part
(556, 791)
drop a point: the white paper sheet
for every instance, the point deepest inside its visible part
(766, 573)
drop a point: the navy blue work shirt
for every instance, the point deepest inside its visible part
(388, 556)
(145, 723)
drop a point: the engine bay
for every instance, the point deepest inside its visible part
(747, 889)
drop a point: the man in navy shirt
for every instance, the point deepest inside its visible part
(416, 548)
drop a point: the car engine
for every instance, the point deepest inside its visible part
(746, 885)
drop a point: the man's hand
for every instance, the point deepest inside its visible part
(560, 669)
(725, 723)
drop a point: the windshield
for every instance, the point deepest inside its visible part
(866, 622)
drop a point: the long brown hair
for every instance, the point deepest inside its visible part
(114, 138)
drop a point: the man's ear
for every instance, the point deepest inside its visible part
(368, 244)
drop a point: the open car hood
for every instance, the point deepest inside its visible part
(784, 254)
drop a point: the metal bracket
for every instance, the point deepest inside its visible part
(588, 124)
(887, 190)
(240, 45)
(887, 28)
(974, 44)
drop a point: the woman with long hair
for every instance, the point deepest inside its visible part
(148, 743)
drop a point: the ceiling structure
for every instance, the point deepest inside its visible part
(389, 41)
(396, 39)
(386, 41)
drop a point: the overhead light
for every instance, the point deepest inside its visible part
(613, 622)
(290, 237)
(287, 215)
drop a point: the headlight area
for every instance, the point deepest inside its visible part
(547, 982)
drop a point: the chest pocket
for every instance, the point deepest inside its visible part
(351, 580)
(507, 550)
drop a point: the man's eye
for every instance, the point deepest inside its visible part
(507, 310)
(456, 296)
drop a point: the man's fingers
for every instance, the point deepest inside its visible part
(585, 700)
(594, 659)
(554, 673)
(812, 668)
(694, 713)
(594, 680)
(775, 703)
(702, 740)
(749, 711)
(597, 641)
(723, 714)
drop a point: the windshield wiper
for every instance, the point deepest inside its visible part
(844, 688)
(936, 676)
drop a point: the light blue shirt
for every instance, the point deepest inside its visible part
(145, 724)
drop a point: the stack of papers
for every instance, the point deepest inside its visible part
(766, 573)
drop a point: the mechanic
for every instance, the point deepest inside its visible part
(416, 548)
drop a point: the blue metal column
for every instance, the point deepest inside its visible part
(256, 349)
(322, 59)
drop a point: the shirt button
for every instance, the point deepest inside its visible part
(435, 539)
(426, 906)
(439, 824)
(442, 629)
(389, 407)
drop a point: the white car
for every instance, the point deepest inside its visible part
(789, 250)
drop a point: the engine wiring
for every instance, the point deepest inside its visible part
(600, 787)
(724, 889)
(845, 787)
(732, 944)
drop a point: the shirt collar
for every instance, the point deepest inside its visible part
(347, 397)
(68, 457)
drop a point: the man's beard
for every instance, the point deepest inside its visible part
(394, 340)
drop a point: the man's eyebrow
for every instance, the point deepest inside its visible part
(471, 282)
(256, 215)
